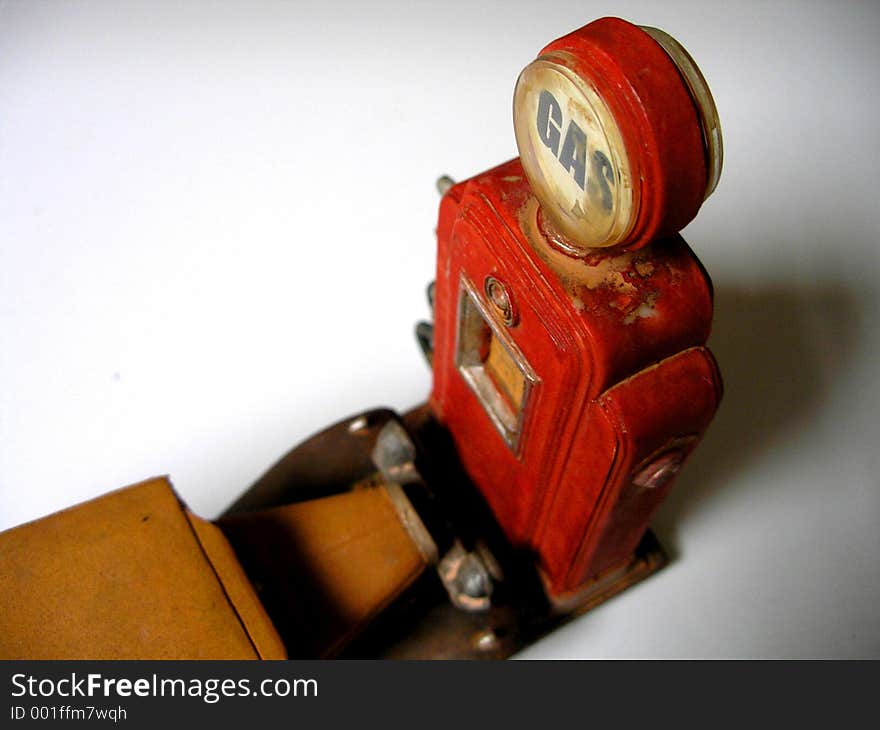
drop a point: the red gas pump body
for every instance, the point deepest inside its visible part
(618, 378)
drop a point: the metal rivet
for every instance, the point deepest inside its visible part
(444, 182)
(394, 454)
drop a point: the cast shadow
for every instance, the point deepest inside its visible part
(781, 350)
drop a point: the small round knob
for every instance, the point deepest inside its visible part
(660, 470)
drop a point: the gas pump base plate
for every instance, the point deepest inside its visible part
(423, 623)
(445, 632)
(426, 625)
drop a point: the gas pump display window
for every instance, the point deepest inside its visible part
(492, 365)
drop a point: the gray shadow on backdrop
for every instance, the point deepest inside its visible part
(781, 351)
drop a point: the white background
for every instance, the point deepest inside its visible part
(216, 226)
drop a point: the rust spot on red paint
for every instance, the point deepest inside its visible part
(599, 280)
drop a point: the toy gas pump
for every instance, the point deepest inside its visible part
(569, 361)
(570, 383)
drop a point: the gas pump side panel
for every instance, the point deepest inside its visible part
(656, 418)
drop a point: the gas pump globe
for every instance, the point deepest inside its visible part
(570, 382)
(618, 136)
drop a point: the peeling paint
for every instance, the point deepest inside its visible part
(644, 268)
(622, 277)
(645, 310)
